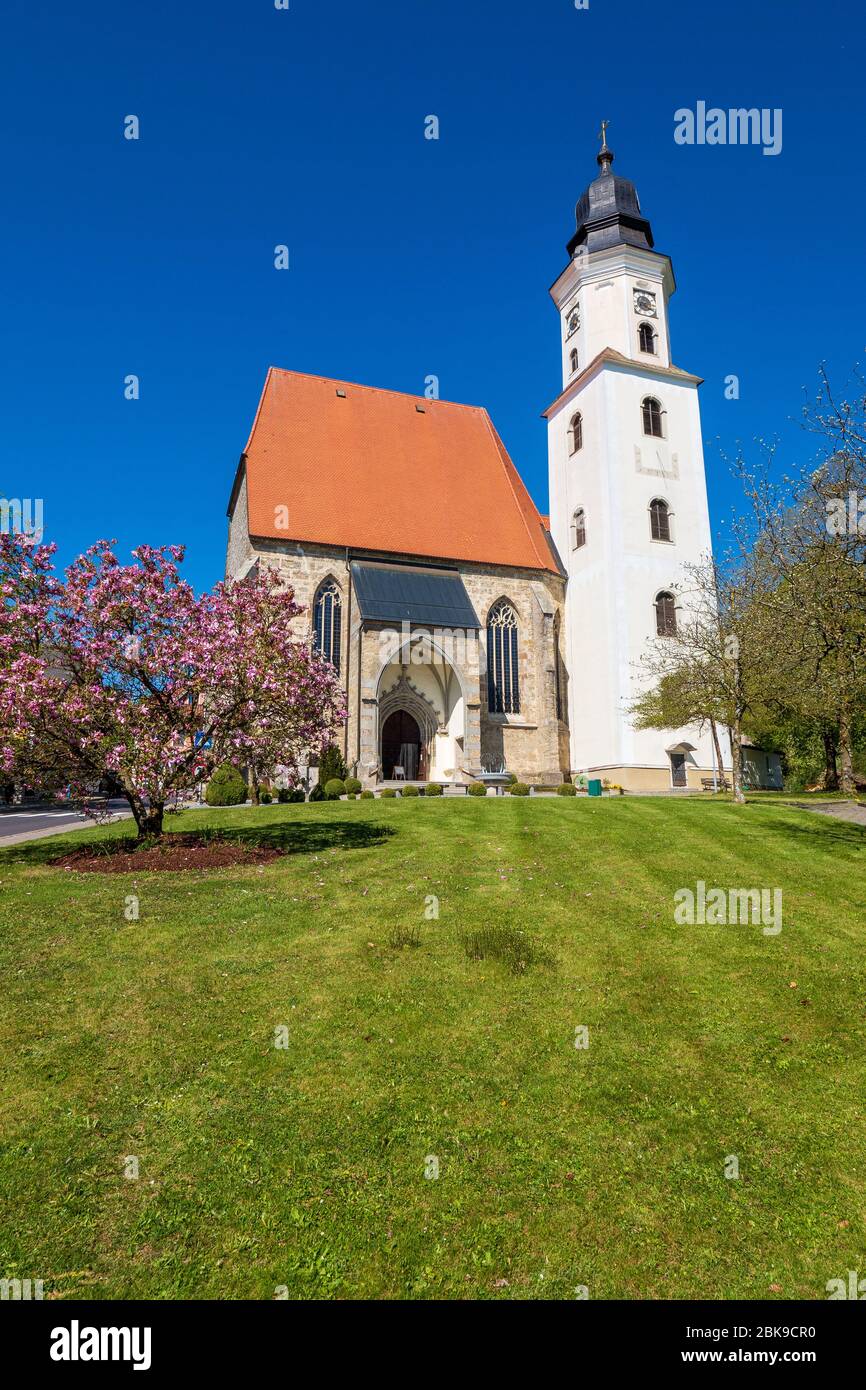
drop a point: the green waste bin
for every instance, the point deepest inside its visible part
(594, 786)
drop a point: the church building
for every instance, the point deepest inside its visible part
(473, 634)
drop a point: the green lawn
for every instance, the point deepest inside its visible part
(304, 1166)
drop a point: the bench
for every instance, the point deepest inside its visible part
(708, 784)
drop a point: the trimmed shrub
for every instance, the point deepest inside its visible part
(512, 777)
(368, 795)
(265, 798)
(351, 796)
(433, 789)
(566, 789)
(477, 789)
(410, 790)
(519, 789)
(331, 765)
(352, 784)
(226, 788)
(290, 795)
(318, 793)
(389, 792)
(335, 787)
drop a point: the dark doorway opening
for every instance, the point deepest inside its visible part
(402, 747)
(679, 776)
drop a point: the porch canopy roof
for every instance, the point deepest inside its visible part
(403, 594)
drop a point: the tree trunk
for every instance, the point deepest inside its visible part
(148, 819)
(831, 772)
(846, 767)
(720, 771)
(737, 763)
(254, 785)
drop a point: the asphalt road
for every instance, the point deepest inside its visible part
(19, 823)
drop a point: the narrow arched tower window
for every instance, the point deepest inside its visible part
(647, 338)
(573, 360)
(579, 528)
(503, 678)
(660, 520)
(666, 615)
(652, 416)
(327, 622)
(575, 433)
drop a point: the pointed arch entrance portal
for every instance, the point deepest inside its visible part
(403, 746)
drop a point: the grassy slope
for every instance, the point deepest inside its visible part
(304, 1167)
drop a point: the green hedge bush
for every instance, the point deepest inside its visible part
(389, 792)
(226, 788)
(410, 790)
(318, 793)
(335, 787)
(368, 795)
(566, 789)
(265, 798)
(290, 795)
(519, 789)
(352, 784)
(331, 765)
(433, 789)
(477, 789)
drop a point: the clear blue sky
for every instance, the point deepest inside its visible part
(409, 256)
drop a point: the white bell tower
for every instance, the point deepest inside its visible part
(628, 499)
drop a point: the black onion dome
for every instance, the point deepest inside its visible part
(608, 212)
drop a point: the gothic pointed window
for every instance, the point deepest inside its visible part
(666, 615)
(647, 338)
(575, 433)
(503, 678)
(573, 360)
(660, 520)
(579, 528)
(327, 622)
(652, 416)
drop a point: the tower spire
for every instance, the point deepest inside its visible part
(605, 155)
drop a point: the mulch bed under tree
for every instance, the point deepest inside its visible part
(168, 855)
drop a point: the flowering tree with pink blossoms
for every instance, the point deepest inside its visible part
(124, 669)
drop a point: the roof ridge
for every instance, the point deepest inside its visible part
(379, 390)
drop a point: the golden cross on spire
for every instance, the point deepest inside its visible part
(602, 134)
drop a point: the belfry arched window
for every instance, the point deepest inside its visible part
(573, 360)
(666, 614)
(647, 338)
(503, 679)
(660, 519)
(579, 529)
(327, 622)
(651, 410)
(575, 433)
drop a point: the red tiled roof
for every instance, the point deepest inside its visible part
(378, 470)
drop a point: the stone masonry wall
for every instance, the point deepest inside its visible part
(531, 744)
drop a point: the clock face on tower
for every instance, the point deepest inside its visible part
(645, 303)
(572, 323)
